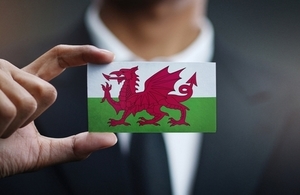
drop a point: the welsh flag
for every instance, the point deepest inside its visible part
(152, 97)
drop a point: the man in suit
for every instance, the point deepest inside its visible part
(257, 127)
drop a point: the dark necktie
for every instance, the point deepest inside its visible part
(149, 165)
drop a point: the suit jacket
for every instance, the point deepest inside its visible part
(253, 151)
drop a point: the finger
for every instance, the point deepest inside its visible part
(43, 92)
(73, 148)
(53, 62)
(24, 104)
(7, 112)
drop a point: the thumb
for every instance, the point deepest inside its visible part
(86, 143)
(76, 147)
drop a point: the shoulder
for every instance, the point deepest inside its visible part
(250, 75)
(21, 55)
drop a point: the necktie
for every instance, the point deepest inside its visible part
(149, 165)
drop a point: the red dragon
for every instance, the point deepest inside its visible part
(156, 94)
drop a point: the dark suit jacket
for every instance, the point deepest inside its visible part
(253, 151)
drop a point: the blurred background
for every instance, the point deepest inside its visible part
(268, 30)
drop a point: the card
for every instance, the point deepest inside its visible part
(152, 97)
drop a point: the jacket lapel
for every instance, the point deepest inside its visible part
(232, 160)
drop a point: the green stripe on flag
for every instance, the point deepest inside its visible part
(201, 117)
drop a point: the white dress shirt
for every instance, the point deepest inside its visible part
(182, 148)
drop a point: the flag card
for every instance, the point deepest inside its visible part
(142, 97)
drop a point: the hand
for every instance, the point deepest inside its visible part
(24, 95)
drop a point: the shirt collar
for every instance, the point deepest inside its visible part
(201, 50)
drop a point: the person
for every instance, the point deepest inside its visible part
(252, 151)
(24, 95)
